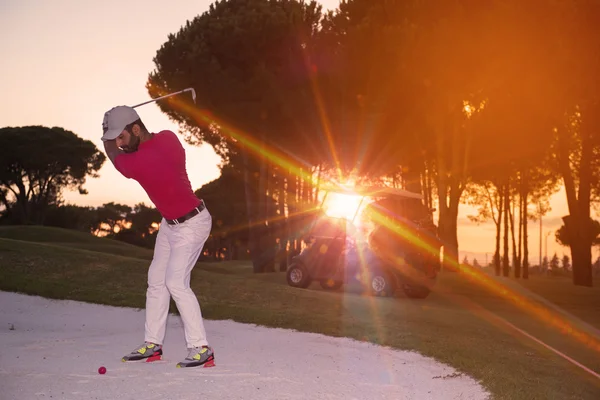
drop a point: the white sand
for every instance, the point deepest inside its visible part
(56, 348)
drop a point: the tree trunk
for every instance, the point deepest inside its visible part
(520, 253)
(269, 197)
(412, 178)
(524, 215)
(292, 205)
(449, 201)
(306, 192)
(424, 186)
(261, 229)
(20, 207)
(251, 208)
(427, 189)
(505, 266)
(269, 248)
(318, 185)
(581, 255)
(577, 223)
(516, 264)
(217, 247)
(498, 229)
(235, 249)
(283, 223)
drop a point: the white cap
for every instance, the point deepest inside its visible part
(116, 119)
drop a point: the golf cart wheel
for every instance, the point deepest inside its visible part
(330, 284)
(415, 291)
(297, 276)
(381, 285)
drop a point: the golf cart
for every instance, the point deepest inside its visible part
(400, 251)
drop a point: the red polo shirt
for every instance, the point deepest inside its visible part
(159, 167)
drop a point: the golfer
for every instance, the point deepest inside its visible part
(157, 162)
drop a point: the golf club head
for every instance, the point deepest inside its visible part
(193, 94)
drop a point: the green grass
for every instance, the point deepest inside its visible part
(458, 324)
(73, 239)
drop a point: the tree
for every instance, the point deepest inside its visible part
(488, 201)
(514, 123)
(144, 220)
(410, 71)
(70, 216)
(250, 63)
(428, 95)
(230, 220)
(449, 55)
(564, 239)
(574, 103)
(566, 263)
(554, 263)
(139, 225)
(537, 185)
(111, 218)
(37, 163)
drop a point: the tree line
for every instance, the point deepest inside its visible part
(38, 163)
(493, 104)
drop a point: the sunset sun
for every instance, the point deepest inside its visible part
(339, 205)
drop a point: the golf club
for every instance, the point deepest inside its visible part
(169, 95)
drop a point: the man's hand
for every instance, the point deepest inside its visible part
(112, 151)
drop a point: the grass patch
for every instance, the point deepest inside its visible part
(455, 324)
(48, 234)
(73, 239)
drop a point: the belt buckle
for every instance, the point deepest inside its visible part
(198, 210)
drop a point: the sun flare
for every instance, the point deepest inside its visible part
(339, 205)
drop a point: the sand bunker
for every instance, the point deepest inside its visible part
(53, 349)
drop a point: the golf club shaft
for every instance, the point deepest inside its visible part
(169, 95)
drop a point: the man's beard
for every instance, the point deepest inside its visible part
(134, 143)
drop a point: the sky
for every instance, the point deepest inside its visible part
(66, 62)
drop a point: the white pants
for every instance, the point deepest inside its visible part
(175, 253)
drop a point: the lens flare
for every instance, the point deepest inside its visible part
(283, 160)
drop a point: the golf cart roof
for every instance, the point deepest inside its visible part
(372, 191)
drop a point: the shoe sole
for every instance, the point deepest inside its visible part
(206, 364)
(156, 357)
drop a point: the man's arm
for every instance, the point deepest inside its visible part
(112, 151)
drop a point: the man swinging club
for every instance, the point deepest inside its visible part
(157, 162)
